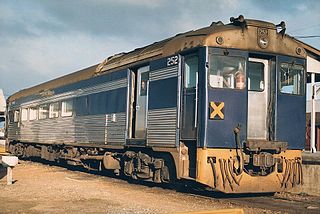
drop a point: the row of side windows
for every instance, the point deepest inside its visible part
(93, 104)
(52, 110)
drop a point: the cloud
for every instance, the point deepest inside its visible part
(34, 60)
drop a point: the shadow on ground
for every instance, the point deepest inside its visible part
(3, 172)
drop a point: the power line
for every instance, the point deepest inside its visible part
(307, 37)
(304, 28)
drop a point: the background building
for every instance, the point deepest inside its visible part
(2, 120)
(313, 99)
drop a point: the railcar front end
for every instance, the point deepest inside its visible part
(252, 111)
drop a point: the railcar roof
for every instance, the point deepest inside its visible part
(154, 50)
(202, 37)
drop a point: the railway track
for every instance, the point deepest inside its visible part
(280, 202)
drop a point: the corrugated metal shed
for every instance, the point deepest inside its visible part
(2, 102)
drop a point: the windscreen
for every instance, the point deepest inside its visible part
(291, 79)
(227, 72)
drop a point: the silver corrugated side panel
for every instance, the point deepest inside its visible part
(161, 128)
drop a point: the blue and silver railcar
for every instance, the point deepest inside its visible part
(223, 106)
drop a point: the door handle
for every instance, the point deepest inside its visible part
(137, 108)
(196, 102)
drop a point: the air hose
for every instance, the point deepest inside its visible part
(240, 157)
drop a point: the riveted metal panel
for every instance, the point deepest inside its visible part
(55, 130)
(161, 129)
(164, 73)
(90, 129)
(98, 129)
(115, 128)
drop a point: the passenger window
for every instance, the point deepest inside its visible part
(291, 80)
(32, 113)
(256, 76)
(190, 71)
(54, 110)
(81, 106)
(24, 114)
(67, 108)
(16, 115)
(11, 116)
(43, 112)
(227, 72)
(144, 82)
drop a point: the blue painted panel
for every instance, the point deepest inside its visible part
(97, 103)
(290, 113)
(220, 132)
(81, 84)
(92, 81)
(158, 64)
(81, 106)
(163, 93)
(114, 101)
(291, 120)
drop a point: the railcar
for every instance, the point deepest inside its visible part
(223, 106)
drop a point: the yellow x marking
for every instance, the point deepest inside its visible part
(217, 110)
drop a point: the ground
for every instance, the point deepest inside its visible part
(41, 188)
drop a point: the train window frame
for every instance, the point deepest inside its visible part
(41, 112)
(144, 78)
(64, 111)
(301, 81)
(24, 114)
(190, 72)
(54, 113)
(262, 80)
(33, 114)
(11, 116)
(237, 75)
(16, 116)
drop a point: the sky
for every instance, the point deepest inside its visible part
(44, 39)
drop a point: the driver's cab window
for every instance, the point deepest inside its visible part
(191, 71)
(227, 72)
(291, 80)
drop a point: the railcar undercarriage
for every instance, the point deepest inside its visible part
(253, 170)
(144, 165)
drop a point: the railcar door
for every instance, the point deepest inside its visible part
(141, 102)
(189, 113)
(258, 98)
(190, 98)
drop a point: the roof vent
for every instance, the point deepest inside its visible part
(218, 23)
